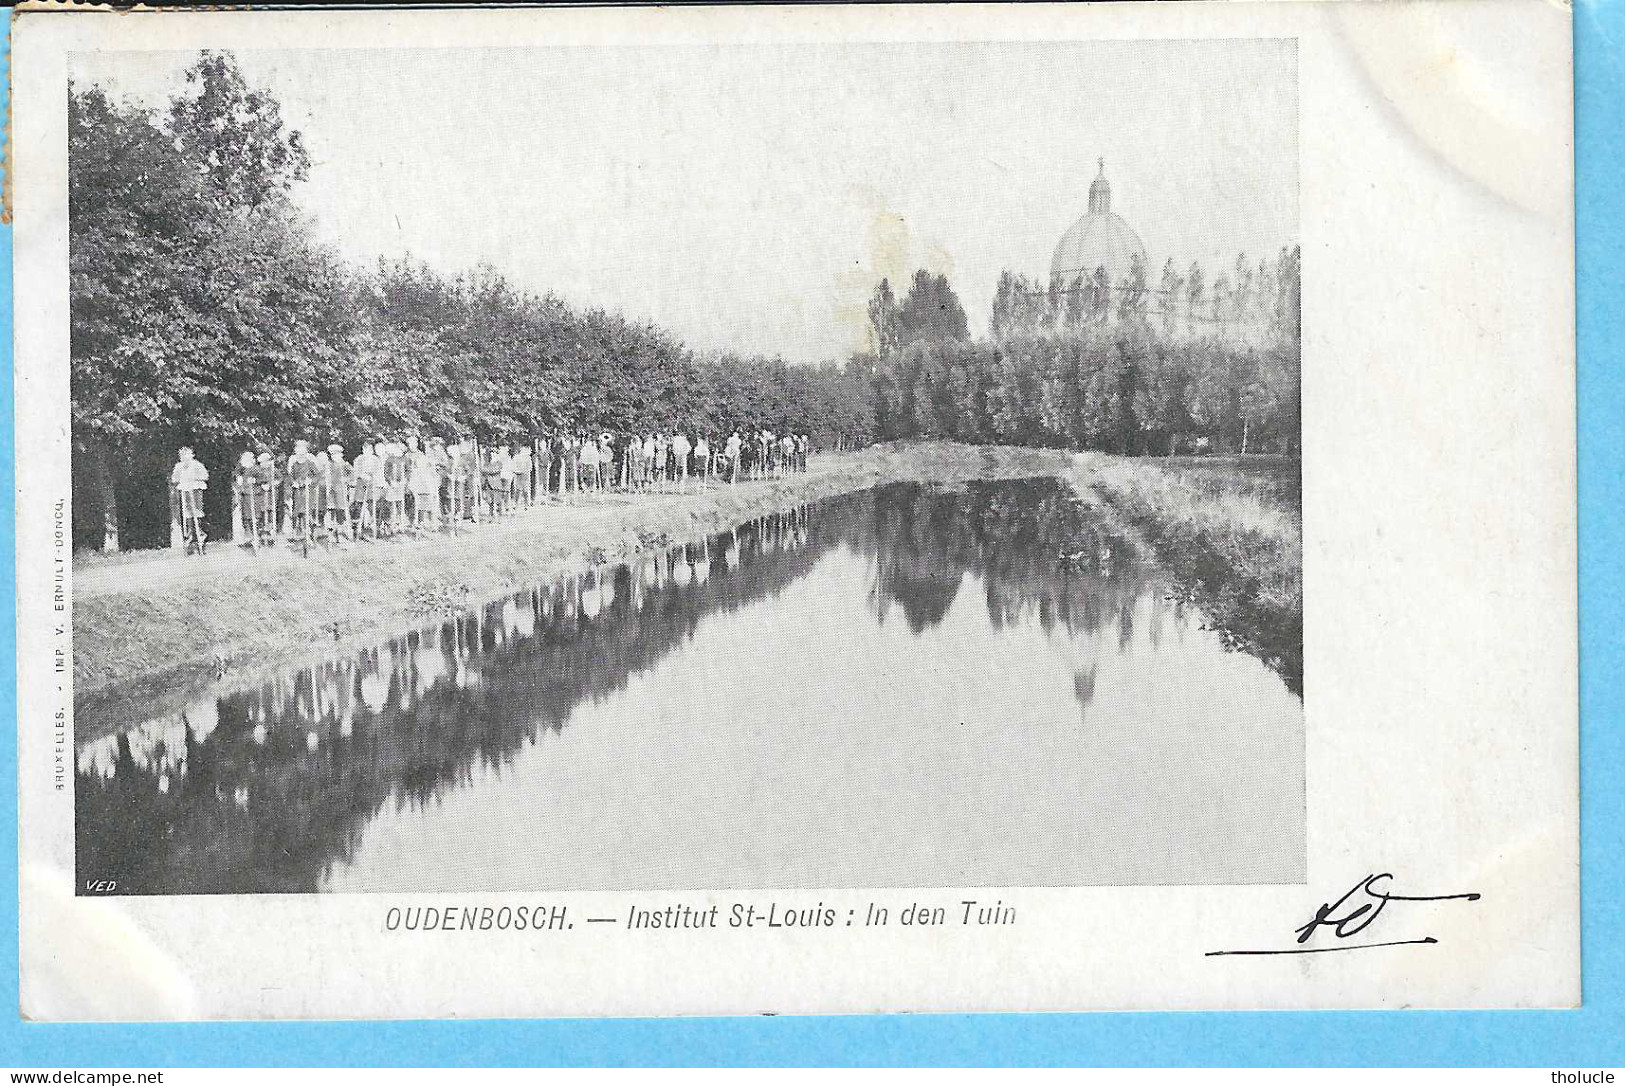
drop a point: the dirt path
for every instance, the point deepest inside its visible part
(95, 576)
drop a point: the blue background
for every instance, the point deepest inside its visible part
(1591, 1036)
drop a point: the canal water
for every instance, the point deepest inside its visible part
(909, 686)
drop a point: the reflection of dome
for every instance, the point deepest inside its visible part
(1099, 239)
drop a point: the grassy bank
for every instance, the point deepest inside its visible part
(152, 630)
(1230, 531)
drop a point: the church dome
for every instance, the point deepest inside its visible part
(1099, 239)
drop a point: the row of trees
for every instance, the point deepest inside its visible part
(1253, 302)
(1103, 366)
(205, 312)
(1120, 390)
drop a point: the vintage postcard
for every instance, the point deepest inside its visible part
(795, 510)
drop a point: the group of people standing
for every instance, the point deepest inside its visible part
(656, 461)
(391, 486)
(400, 484)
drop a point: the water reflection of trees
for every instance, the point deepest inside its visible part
(264, 790)
(1039, 555)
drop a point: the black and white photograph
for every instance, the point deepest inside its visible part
(848, 508)
(697, 492)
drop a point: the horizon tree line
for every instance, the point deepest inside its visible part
(1097, 365)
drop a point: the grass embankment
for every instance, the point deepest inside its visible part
(153, 630)
(1230, 531)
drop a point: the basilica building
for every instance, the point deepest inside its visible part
(1101, 249)
(1100, 239)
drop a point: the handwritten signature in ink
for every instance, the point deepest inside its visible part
(1350, 915)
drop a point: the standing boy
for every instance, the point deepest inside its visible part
(301, 490)
(190, 479)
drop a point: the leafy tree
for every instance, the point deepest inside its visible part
(1132, 298)
(1056, 363)
(1014, 399)
(234, 133)
(1168, 296)
(1287, 317)
(1221, 298)
(1163, 408)
(1079, 304)
(1002, 315)
(1195, 290)
(400, 381)
(1023, 306)
(135, 236)
(884, 319)
(189, 322)
(1050, 315)
(1099, 296)
(1242, 288)
(931, 310)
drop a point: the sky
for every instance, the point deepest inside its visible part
(749, 197)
